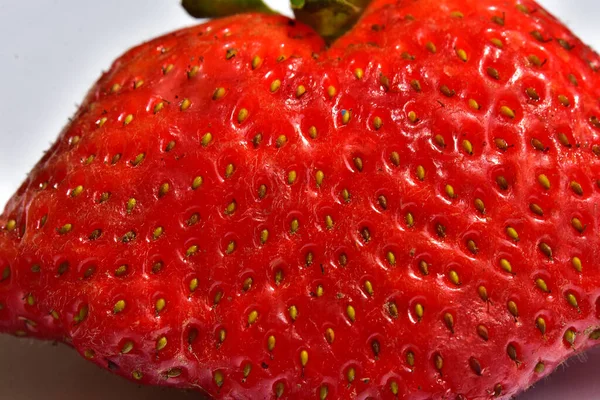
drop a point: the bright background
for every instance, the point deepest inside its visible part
(51, 52)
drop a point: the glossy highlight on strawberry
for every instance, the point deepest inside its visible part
(409, 212)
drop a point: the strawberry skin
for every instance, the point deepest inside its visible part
(410, 213)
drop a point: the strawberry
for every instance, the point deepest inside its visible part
(409, 212)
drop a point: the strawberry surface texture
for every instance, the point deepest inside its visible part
(410, 212)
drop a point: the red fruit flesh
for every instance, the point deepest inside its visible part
(409, 213)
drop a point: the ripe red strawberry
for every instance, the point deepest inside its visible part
(409, 213)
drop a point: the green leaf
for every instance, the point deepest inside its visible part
(222, 8)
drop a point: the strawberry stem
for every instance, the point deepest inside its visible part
(330, 18)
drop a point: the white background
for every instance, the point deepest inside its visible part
(50, 54)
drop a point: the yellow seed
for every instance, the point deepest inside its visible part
(462, 55)
(294, 225)
(483, 333)
(319, 176)
(115, 88)
(420, 172)
(393, 309)
(497, 42)
(577, 225)
(419, 311)
(539, 368)
(505, 265)
(536, 209)
(359, 73)
(197, 182)
(328, 222)
(438, 362)
(454, 278)
(450, 191)
(323, 392)
(512, 308)
(424, 267)
(159, 106)
(281, 141)
(11, 224)
(346, 115)
(185, 104)
(193, 249)
(128, 119)
(473, 104)
(546, 249)
(331, 91)
(572, 300)
(300, 90)
(66, 228)
(540, 323)
(137, 375)
(394, 388)
(77, 191)
(119, 306)
(564, 100)
(168, 69)
(193, 71)
(292, 177)
(163, 190)
(252, 317)
(303, 358)
(319, 291)
(439, 141)
(242, 115)
(391, 258)
(541, 284)
(161, 343)
(483, 294)
(369, 288)
(256, 62)
(351, 313)
(231, 207)
(412, 116)
(377, 123)
(329, 335)
(218, 297)
(30, 299)
(127, 347)
(121, 270)
(467, 146)
(507, 112)
(271, 343)
(138, 159)
(193, 284)
(576, 188)
(312, 132)
(569, 336)
(480, 206)
(219, 93)
(293, 312)
(219, 378)
(351, 374)
(544, 181)
(89, 353)
(160, 305)
(54, 314)
(275, 85)
(457, 14)
(222, 335)
(157, 232)
(431, 47)
(512, 233)
(576, 262)
(346, 195)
